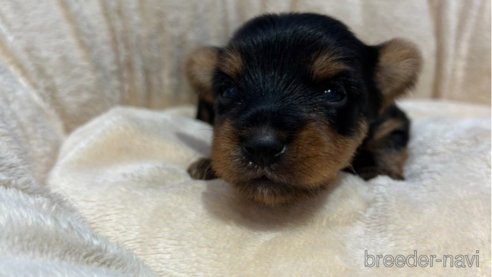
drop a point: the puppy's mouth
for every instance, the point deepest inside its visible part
(266, 179)
(265, 184)
(309, 165)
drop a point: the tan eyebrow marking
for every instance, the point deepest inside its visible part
(327, 65)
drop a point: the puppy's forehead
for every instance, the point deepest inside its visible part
(289, 47)
(323, 63)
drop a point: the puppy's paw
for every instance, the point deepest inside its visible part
(372, 172)
(385, 150)
(202, 170)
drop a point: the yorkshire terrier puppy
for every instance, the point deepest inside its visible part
(296, 98)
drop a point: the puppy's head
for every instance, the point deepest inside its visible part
(294, 95)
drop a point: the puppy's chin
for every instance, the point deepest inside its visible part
(265, 191)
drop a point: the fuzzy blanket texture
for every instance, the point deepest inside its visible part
(126, 173)
(112, 198)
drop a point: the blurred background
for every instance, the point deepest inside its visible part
(77, 59)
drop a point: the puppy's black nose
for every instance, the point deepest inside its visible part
(263, 149)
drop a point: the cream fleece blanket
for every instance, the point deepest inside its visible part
(126, 173)
(40, 233)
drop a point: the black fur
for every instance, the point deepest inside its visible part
(277, 52)
(276, 85)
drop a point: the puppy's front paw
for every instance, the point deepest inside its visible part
(372, 172)
(202, 170)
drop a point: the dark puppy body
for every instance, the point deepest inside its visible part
(294, 99)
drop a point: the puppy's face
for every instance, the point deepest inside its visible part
(294, 96)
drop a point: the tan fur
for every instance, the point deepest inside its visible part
(399, 65)
(383, 131)
(279, 197)
(199, 69)
(317, 154)
(320, 153)
(392, 163)
(225, 152)
(231, 63)
(202, 170)
(226, 158)
(327, 65)
(388, 161)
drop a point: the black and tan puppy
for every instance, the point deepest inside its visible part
(296, 98)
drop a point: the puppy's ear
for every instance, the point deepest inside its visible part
(398, 68)
(199, 69)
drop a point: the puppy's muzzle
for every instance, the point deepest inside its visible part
(263, 148)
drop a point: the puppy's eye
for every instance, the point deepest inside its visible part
(334, 95)
(228, 93)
